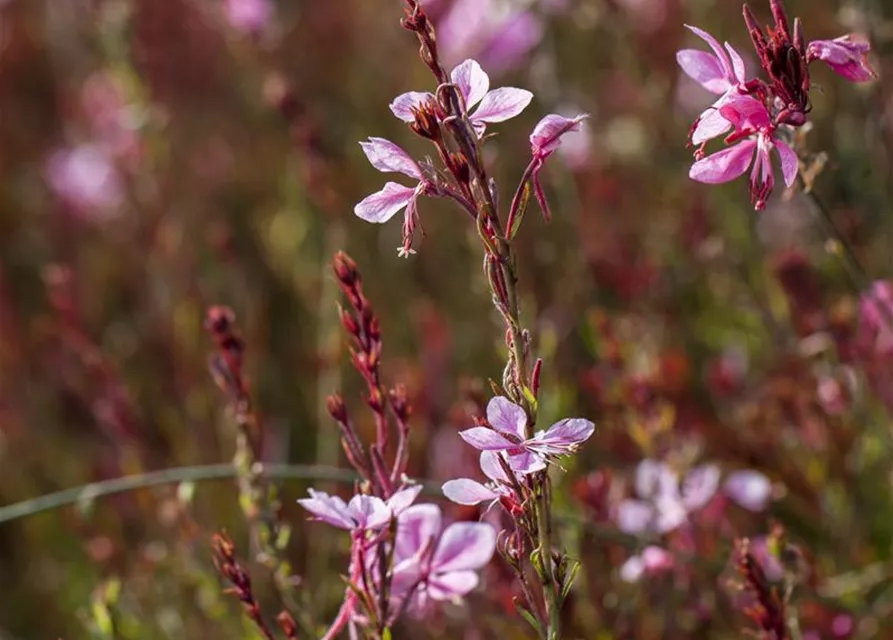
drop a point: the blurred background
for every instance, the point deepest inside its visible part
(161, 156)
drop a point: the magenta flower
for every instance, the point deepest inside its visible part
(722, 73)
(652, 560)
(544, 140)
(751, 489)
(846, 56)
(508, 435)
(663, 504)
(474, 85)
(431, 564)
(87, 179)
(468, 492)
(362, 512)
(876, 318)
(756, 136)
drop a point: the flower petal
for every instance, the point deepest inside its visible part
(486, 439)
(845, 55)
(789, 163)
(547, 133)
(388, 157)
(737, 64)
(464, 545)
(382, 205)
(492, 468)
(721, 56)
(565, 434)
(700, 486)
(655, 479)
(634, 516)
(501, 104)
(417, 526)
(403, 104)
(467, 491)
(398, 502)
(704, 69)
(751, 489)
(447, 586)
(724, 165)
(526, 462)
(330, 509)
(472, 82)
(368, 512)
(632, 569)
(507, 417)
(710, 125)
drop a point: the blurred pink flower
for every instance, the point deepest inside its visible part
(664, 502)
(495, 33)
(362, 512)
(755, 137)
(431, 563)
(876, 318)
(249, 16)
(652, 560)
(507, 433)
(85, 177)
(751, 489)
(468, 492)
(473, 83)
(847, 56)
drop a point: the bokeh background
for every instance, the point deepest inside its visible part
(161, 156)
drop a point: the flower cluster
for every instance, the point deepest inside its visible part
(423, 560)
(761, 113)
(429, 115)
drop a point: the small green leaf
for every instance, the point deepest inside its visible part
(569, 580)
(282, 537)
(536, 560)
(520, 211)
(528, 615)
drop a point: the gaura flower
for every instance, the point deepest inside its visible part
(436, 564)
(722, 73)
(508, 435)
(845, 55)
(468, 492)
(544, 140)
(473, 84)
(875, 332)
(652, 560)
(362, 512)
(756, 137)
(749, 488)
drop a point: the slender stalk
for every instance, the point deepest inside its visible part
(544, 531)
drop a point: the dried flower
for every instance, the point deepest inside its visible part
(846, 56)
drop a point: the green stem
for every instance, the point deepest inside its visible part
(544, 531)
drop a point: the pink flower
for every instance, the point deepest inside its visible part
(468, 492)
(508, 435)
(249, 16)
(756, 136)
(435, 564)
(722, 73)
(876, 318)
(382, 205)
(473, 84)
(86, 178)
(652, 560)
(846, 56)
(751, 489)
(664, 503)
(544, 140)
(362, 512)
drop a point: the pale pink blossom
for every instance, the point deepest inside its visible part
(363, 512)
(652, 560)
(847, 56)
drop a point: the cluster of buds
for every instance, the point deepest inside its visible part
(231, 570)
(767, 609)
(761, 113)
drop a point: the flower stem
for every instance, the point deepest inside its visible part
(544, 532)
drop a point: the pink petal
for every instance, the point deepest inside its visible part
(700, 486)
(382, 205)
(737, 64)
(744, 112)
(416, 528)
(403, 498)
(750, 489)
(655, 479)
(710, 125)
(450, 585)
(486, 439)
(724, 165)
(721, 56)
(704, 69)
(402, 104)
(632, 569)
(634, 516)
(467, 491)
(547, 133)
(501, 104)
(330, 509)
(472, 82)
(464, 545)
(507, 417)
(656, 558)
(388, 157)
(492, 468)
(845, 55)
(566, 434)
(513, 40)
(789, 163)
(526, 462)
